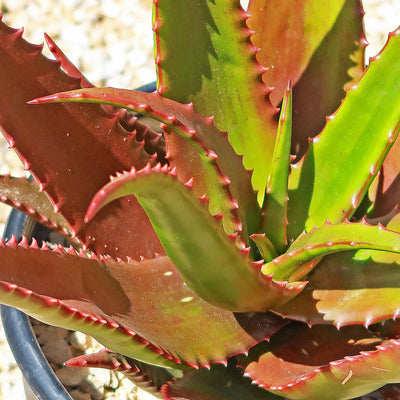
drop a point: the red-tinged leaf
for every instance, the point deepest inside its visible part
(363, 287)
(328, 239)
(208, 181)
(23, 194)
(153, 140)
(324, 363)
(359, 291)
(224, 171)
(288, 35)
(219, 383)
(52, 139)
(319, 46)
(197, 253)
(338, 63)
(65, 63)
(204, 55)
(125, 305)
(148, 377)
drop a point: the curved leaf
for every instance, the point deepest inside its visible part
(196, 242)
(202, 168)
(371, 110)
(331, 239)
(264, 246)
(363, 287)
(148, 377)
(141, 309)
(324, 363)
(358, 291)
(23, 194)
(220, 162)
(51, 141)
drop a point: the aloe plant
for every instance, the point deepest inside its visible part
(249, 248)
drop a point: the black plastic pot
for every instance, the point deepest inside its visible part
(27, 352)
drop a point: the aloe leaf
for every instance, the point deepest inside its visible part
(324, 52)
(299, 27)
(204, 55)
(23, 194)
(65, 63)
(274, 218)
(363, 288)
(222, 169)
(337, 64)
(33, 280)
(265, 246)
(356, 138)
(324, 363)
(208, 180)
(359, 290)
(331, 239)
(182, 221)
(148, 377)
(387, 192)
(219, 383)
(141, 309)
(51, 141)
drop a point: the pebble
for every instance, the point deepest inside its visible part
(71, 376)
(57, 351)
(44, 333)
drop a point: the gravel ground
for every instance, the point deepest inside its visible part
(111, 42)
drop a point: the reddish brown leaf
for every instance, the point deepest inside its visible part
(71, 149)
(149, 298)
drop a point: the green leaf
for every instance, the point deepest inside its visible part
(204, 55)
(265, 246)
(363, 287)
(331, 239)
(343, 160)
(228, 183)
(194, 161)
(274, 218)
(323, 362)
(208, 260)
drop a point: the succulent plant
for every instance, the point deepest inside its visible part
(240, 251)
